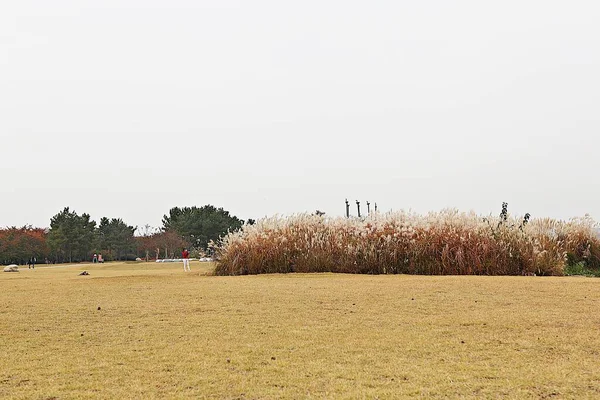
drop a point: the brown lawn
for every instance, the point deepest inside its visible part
(149, 331)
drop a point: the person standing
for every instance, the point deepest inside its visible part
(185, 254)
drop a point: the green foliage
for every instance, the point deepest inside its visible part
(198, 226)
(581, 269)
(71, 236)
(114, 239)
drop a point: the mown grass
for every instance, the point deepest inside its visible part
(163, 333)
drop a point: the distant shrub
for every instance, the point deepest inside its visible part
(448, 242)
(580, 269)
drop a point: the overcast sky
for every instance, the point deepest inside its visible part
(127, 108)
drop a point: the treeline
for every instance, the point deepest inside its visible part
(17, 245)
(74, 238)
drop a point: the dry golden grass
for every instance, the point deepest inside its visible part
(163, 333)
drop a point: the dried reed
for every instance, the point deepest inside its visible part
(443, 243)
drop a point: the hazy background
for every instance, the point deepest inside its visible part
(127, 108)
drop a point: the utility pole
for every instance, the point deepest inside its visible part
(358, 207)
(347, 209)
(368, 208)
(375, 207)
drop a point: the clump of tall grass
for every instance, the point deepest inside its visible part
(443, 243)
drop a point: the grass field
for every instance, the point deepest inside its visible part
(152, 331)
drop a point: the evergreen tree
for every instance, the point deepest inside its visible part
(114, 238)
(198, 226)
(71, 236)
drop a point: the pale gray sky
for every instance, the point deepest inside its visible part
(127, 108)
